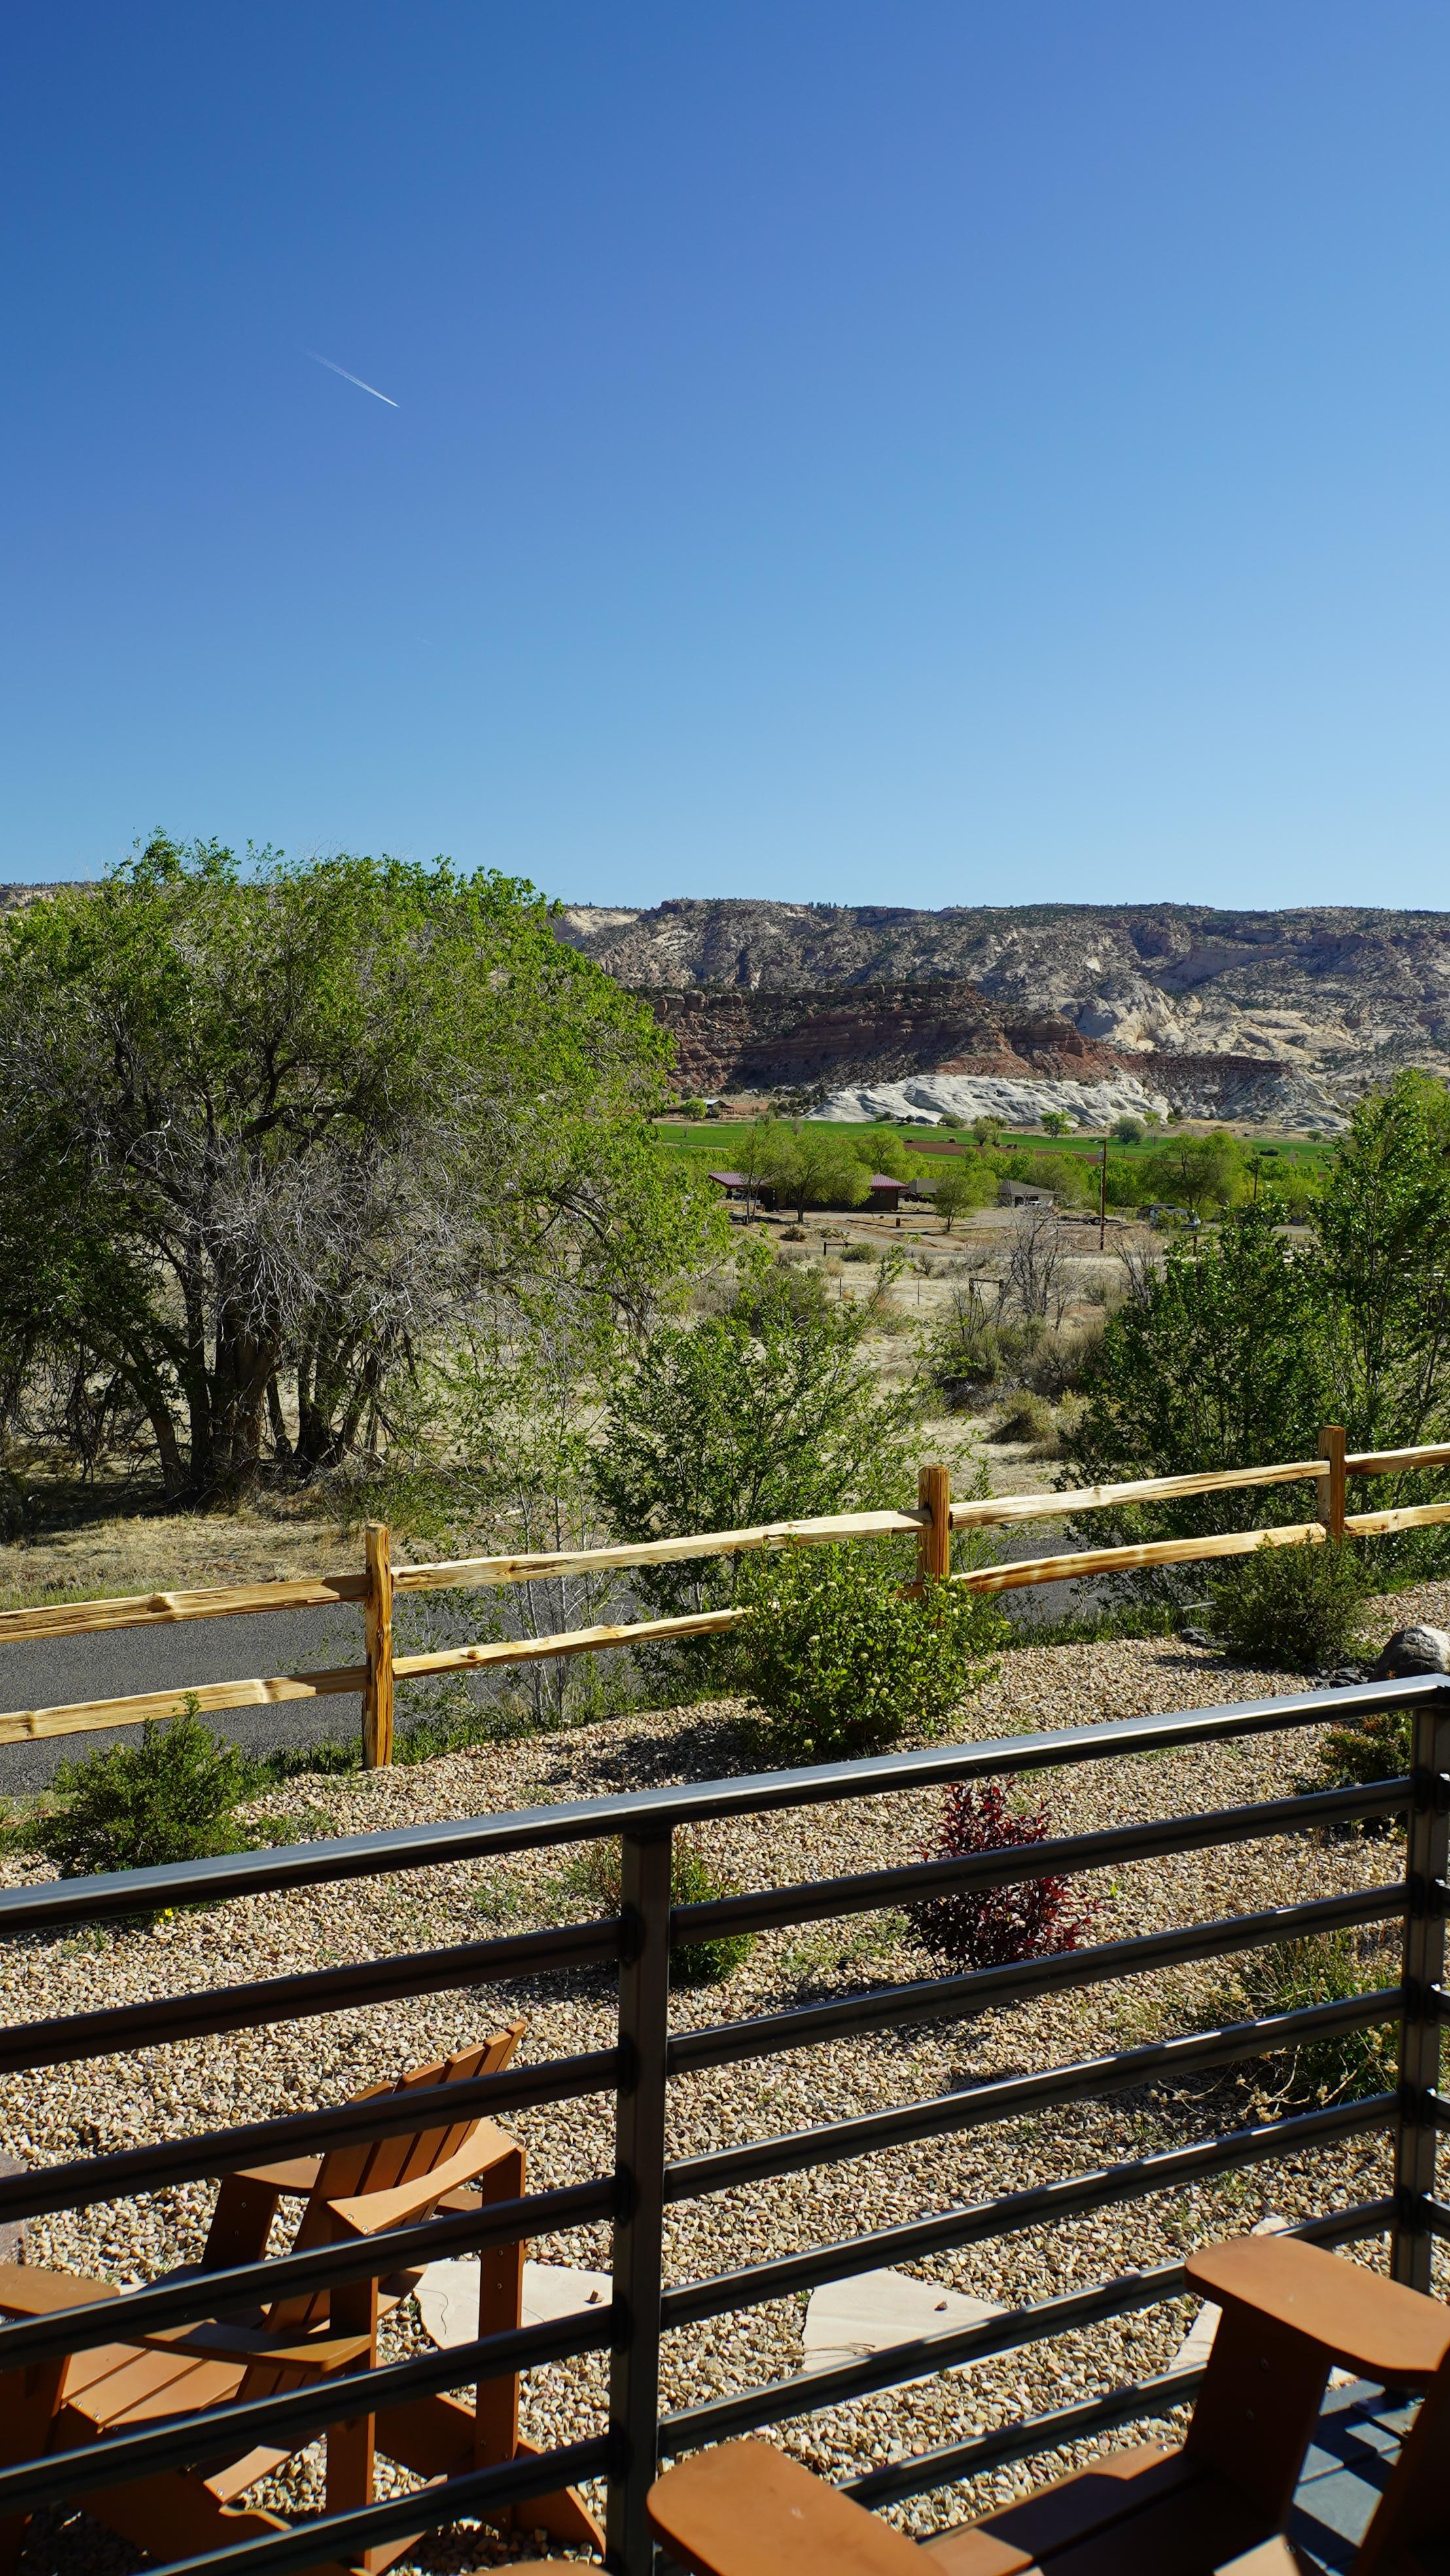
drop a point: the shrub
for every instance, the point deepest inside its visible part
(136, 1806)
(859, 1252)
(1294, 1607)
(1028, 1417)
(990, 1927)
(1373, 1747)
(967, 1368)
(1218, 1359)
(693, 1881)
(839, 1660)
(1328, 1970)
(771, 1412)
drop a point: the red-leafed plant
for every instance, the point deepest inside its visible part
(990, 1927)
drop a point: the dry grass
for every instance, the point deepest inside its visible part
(150, 1552)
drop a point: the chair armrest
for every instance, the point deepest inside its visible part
(367, 2213)
(747, 2510)
(26, 2291)
(1357, 2318)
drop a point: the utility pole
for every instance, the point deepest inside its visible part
(1103, 1200)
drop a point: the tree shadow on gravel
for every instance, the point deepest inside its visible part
(715, 1747)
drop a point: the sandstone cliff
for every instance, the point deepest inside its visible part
(1282, 1015)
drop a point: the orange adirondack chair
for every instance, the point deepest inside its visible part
(1290, 2311)
(349, 2192)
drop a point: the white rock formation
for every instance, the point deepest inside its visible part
(964, 1096)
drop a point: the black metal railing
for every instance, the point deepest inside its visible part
(644, 2182)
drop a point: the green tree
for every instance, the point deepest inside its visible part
(770, 1412)
(1383, 1225)
(1128, 1131)
(1127, 1181)
(268, 1129)
(813, 1164)
(1221, 1359)
(886, 1153)
(1198, 1172)
(1070, 1177)
(960, 1185)
(1055, 1122)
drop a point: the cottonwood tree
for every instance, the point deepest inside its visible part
(812, 1164)
(268, 1129)
(1237, 1352)
(959, 1187)
(1198, 1172)
(1216, 1359)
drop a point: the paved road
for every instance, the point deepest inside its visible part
(1045, 1600)
(57, 1671)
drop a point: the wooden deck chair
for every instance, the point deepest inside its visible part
(348, 2192)
(1290, 2312)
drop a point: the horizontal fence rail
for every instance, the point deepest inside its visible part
(932, 1524)
(631, 2199)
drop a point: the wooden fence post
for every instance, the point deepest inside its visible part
(934, 1538)
(377, 1707)
(1331, 1446)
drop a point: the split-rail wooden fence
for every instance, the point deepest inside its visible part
(932, 1524)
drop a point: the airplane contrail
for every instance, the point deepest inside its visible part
(351, 379)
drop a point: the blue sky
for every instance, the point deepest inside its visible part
(923, 452)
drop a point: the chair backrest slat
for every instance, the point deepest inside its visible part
(379, 2164)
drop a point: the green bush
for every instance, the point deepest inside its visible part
(1373, 1747)
(1026, 1416)
(963, 1361)
(137, 1806)
(771, 1412)
(839, 1660)
(1294, 1974)
(974, 1350)
(597, 1872)
(1299, 1608)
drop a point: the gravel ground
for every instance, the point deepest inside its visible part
(153, 2094)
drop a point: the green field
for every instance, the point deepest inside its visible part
(719, 1139)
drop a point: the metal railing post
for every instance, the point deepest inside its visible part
(1411, 2242)
(639, 2173)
